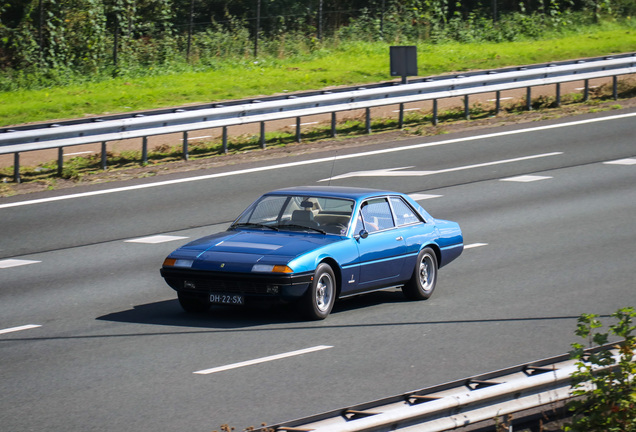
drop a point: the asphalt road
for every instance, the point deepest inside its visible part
(547, 210)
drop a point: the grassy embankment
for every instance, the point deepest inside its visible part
(347, 64)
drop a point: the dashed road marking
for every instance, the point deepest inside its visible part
(262, 360)
(526, 178)
(20, 328)
(421, 197)
(628, 161)
(7, 263)
(474, 245)
(155, 239)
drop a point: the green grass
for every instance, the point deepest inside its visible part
(346, 64)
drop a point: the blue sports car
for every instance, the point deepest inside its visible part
(313, 245)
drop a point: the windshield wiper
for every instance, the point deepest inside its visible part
(254, 225)
(305, 227)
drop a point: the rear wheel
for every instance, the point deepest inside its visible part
(321, 295)
(193, 304)
(424, 279)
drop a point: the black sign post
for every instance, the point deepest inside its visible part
(403, 61)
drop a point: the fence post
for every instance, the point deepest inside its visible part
(368, 120)
(298, 137)
(434, 112)
(498, 102)
(466, 108)
(558, 95)
(104, 155)
(263, 144)
(185, 145)
(60, 160)
(258, 27)
(401, 116)
(615, 87)
(529, 99)
(144, 150)
(224, 139)
(333, 125)
(16, 167)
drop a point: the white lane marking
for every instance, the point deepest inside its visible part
(79, 153)
(304, 124)
(503, 98)
(20, 328)
(475, 245)
(198, 137)
(16, 263)
(628, 161)
(397, 172)
(262, 360)
(329, 159)
(408, 109)
(421, 197)
(583, 88)
(155, 239)
(526, 178)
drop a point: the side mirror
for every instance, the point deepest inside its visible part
(363, 233)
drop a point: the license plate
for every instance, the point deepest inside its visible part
(229, 299)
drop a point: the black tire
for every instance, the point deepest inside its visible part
(193, 304)
(424, 278)
(321, 295)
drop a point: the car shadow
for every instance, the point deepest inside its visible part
(170, 313)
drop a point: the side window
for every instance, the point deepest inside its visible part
(376, 215)
(404, 214)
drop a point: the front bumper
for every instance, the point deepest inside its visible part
(264, 287)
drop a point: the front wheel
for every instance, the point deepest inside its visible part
(424, 279)
(193, 304)
(321, 295)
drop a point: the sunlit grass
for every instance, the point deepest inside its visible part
(338, 64)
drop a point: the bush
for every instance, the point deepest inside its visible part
(610, 404)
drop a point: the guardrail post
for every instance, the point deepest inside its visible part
(333, 125)
(466, 108)
(104, 163)
(263, 145)
(368, 120)
(435, 112)
(186, 156)
(558, 95)
(298, 130)
(60, 160)
(224, 139)
(586, 90)
(16, 167)
(615, 87)
(529, 98)
(401, 116)
(498, 102)
(144, 150)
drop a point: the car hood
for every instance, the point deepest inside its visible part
(240, 250)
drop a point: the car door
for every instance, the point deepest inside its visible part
(381, 252)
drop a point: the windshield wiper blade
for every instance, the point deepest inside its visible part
(305, 227)
(255, 225)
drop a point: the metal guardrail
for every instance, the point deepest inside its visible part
(530, 391)
(144, 125)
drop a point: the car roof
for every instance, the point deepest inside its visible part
(355, 193)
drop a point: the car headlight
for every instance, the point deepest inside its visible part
(271, 268)
(172, 262)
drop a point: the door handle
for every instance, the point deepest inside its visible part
(400, 238)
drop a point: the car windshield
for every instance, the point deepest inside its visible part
(295, 212)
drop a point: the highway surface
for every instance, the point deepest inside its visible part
(91, 338)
